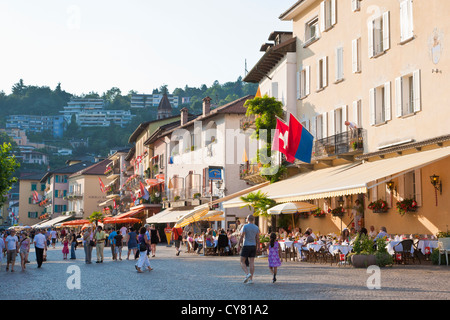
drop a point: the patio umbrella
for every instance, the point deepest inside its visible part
(74, 223)
(291, 208)
(121, 220)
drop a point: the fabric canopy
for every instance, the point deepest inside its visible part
(129, 213)
(75, 223)
(213, 215)
(168, 216)
(120, 220)
(195, 215)
(52, 222)
(346, 179)
(291, 207)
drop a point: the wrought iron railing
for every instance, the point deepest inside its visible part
(348, 142)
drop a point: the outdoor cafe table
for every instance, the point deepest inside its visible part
(343, 248)
(424, 243)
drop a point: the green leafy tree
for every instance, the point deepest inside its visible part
(8, 166)
(259, 202)
(96, 217)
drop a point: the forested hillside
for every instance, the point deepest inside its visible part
(34, 100)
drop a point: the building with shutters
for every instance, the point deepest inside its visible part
(381, 66)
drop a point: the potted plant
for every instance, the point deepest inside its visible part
(318, 213)
(303, 215)
(176, 198)
(263, 240)
(382, 256)
(406, 205)
(197, 195)
(378, 206)
(363, 252)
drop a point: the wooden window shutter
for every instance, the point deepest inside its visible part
(387, 101)
(307, 80)
(418, 186)
(332, 123)
(404, 20)
(344, 118)
(324, 125)
(298, 85)
(333, 12)
(401, 188)
(325, 71)
(398, 97)
(372, 106)
(386, 35)
(370, 37)
(339, 63)
(313, 126)
(416, 92)
(322, 17)
(356, 58)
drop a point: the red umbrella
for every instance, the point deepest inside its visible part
(75, 223)
(121, 220)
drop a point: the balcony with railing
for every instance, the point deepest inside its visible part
(347, 143)
(251, 173)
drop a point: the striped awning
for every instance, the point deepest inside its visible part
(193, 216)
(354, 178)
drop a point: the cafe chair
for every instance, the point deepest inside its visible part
(404, 248)
(444, 248)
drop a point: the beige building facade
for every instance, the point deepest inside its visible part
(29, 209)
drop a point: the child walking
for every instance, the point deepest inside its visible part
(274, 256)
(65, 249)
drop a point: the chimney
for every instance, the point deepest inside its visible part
(184, 116)
(206, 106)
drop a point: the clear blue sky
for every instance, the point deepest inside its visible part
(133, 44)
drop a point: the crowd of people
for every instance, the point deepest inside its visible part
(13, 243)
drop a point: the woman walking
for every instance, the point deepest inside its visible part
(143, 261)
(154, 239)
(132, 243)
(274, 256)
(25, 243)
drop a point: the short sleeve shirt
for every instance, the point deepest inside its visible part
(39, 239)
(11, 242)
(250, 230)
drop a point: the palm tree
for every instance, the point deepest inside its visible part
(95, 217)
(259, 202)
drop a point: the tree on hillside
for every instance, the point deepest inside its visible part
(8, 166)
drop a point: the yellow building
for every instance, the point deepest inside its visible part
(370, 88)
(29, 209)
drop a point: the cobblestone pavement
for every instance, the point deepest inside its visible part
(196, 277)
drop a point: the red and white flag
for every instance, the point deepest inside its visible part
(144, 192)
(102, 186)
(280, 139)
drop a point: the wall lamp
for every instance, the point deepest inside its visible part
(437, 184)
(390, 185)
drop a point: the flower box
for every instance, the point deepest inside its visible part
(379, 206)
(337, 212)
(318, 213)
(406, 205)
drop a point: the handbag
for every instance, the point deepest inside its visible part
(92, 243)
(142, 246)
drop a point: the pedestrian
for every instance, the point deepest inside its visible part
(88, 245)
(2, 249)
(73, 244)
(25, 243)
(250, 238)
(177, 237)
(143, 261)
(100, 238)
(147, 233)
(154, 239)
(118, 239)
(274, 256)
(124, 232)
(40, 245)
(65, 249)
(12, 248)
(132, 243)
(111, 236)
(53, 235)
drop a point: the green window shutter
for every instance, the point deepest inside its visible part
(33, 187)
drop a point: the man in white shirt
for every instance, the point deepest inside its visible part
(12, 247)
(53, 235)
(40, 244)
(123, 231)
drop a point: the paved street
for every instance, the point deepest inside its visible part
(195, 277)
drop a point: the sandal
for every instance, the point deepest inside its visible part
(150, 268)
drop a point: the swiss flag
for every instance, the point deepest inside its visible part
(280, 139)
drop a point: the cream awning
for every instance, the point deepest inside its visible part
(168, 216)
(52, 222)
(194, 215)
(346, 179)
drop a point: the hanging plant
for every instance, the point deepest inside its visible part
(378, 206)
(406, 205)
(318, 213)
(337, 212)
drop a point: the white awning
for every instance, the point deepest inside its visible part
(52, 222)
(170, 215)
(345, 179)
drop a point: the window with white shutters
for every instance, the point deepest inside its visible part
(356, 55)
(407, 94)
(339, 64)
(328, 16)
(322, 73)
(356, 5)
(406, 20)
(357, 113)
(304, 82)
(380, 104)
(311, 31)
(379, 35)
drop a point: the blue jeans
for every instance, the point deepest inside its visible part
(72, 251)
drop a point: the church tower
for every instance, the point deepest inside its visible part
(164, 108)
